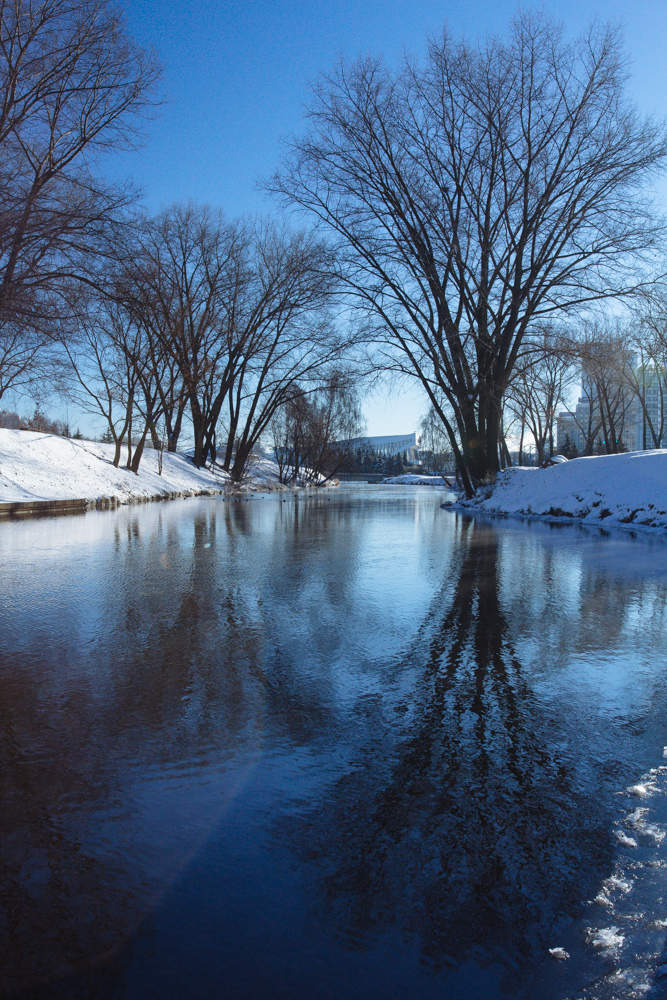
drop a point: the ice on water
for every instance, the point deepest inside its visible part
(629, 929)
(625, 840)
(637, 819)
(606, 938)
(643, 790)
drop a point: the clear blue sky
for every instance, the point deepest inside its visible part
(237, 76)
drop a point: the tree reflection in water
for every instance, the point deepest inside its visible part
(469, 836)
(457, 794)
(106, 742)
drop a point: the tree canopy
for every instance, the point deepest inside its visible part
(473, 194)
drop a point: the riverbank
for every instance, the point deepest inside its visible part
(625, 491)
(414, 479)
(38, 470)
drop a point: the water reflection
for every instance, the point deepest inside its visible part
(432, 717)
(483, 830)
(167, 684)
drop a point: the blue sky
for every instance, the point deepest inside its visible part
(237, 76)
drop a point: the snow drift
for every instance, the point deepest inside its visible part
(414, 479)
(624, 490)
(36, 466)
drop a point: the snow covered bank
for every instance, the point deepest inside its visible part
(414, 479)
(35, 466)
(627, 491)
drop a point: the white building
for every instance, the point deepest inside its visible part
(568, 432)
(389, 444)
(654, 386)
(573, 426)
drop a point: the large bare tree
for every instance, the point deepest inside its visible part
(240, 313)
(473, 194)
(290, 342)
(180, 289)
(71, 86)
(26, 358)
(102, 378)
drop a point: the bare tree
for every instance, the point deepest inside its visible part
(233, 315)
(25, 358)
(435, 448)
(182, 288)
(71, 86)
(312, 434)
(544, 373)
(649, 378)
(290, 343)
(337, 420)
(115, 371)
(604, 414)
(472, 195)
(101, 376)
(143, 386)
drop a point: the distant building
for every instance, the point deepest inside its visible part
(389, 444)
(573, 425)
(569, 433)
(654, 385)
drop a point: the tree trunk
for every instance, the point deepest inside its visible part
(138, 452)
(199, 456)
(481, 440)
(155, 437)
(174, 428)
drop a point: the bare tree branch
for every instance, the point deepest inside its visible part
(470, 196)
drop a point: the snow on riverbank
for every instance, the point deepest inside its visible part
(624, 490)
(414, 479)
(36, 466)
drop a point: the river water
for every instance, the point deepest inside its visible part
(347, 744)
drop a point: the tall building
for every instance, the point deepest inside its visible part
(581, 428)
(569, 434)
(652, 418)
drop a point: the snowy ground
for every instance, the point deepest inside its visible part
(413, 479)
(35, 466)
(623, 490)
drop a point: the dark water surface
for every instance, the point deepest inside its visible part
(346, 745)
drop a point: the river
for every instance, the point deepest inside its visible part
(345, 744)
